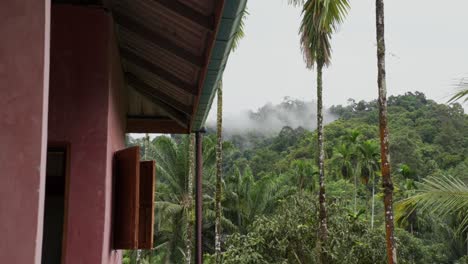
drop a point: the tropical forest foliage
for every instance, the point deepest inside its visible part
(270, 186)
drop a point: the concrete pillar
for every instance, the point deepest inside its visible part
(24, 83)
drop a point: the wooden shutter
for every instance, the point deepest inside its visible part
(127, 198)
(147, 185)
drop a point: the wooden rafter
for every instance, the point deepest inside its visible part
(174, 113)
(208, 22)
(141, 86)
(134, 58)
(145, 124)
(158, 39)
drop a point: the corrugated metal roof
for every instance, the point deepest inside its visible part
(142, 106)
(183, 32)
(204, 7)
(165, 47)
(152, 52)
(160, 84)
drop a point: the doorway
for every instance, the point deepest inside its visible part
(55, 205)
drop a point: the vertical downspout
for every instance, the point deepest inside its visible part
(198, 196)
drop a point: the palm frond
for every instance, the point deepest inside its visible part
(296, 3)
(442, 196)
(210, 215)
(240, 33)
(320, 19)
(462, 92)
(168, 208)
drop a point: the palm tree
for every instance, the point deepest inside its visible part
(174, 196)
(173, 200)
(352, 139)
(406, 188)
(320, 18)
(345, 158)
(248, 197)
(383, 128)
(304, 170)
(219, 171)
(369, 164)
(219, 146)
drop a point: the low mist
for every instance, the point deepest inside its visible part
(269, 119)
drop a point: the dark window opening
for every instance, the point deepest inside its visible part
(54, 204)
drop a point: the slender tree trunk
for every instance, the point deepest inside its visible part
(355, 192)
(239, 216)
(191, 174)
(383, 127)
(239, 219)
(323, 229)
(219, 171)
(373, 202)
(146, 147)
(199, 196)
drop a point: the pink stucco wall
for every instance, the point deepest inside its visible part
(86, 100)
(115, 141)
(24, 72)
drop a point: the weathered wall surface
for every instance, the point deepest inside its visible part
(24, 72)
(116, 138)
(86, 99)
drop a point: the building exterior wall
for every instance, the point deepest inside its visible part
(86, 100)
(115, 140)
(24, 72)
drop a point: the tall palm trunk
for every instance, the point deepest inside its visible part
(355, 191)
(191, 172)
(383, 127)
(219, 170)
(146, 146)
(373, 202)
(323, 229)
(238, 201)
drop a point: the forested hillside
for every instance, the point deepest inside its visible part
(270, 187)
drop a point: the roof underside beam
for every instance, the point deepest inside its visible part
(134, 58)
(145, 124)
(159, 99)
(207, 22)
(158, 81)
(156, 38)
(149, 90)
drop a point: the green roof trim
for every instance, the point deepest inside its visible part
(232, 14)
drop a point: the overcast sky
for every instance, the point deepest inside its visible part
(427, 50)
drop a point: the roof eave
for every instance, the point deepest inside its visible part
(230, 20)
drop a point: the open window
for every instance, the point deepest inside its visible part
(134, 200)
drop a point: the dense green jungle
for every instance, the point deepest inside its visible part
(270, 185)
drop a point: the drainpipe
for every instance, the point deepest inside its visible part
(198, 195)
